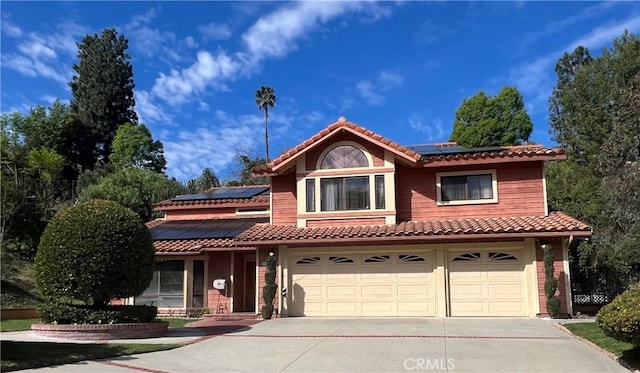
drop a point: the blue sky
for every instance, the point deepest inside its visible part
(398, 68)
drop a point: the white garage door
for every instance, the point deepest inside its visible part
(362, 284)
(487, 283)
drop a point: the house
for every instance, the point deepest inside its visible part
(362, 226)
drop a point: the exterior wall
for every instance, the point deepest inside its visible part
(263, 254)
(283, 199)
(212, 213)
(219, 267)
(377, 153)
(520, 193)
(346, 222)
(559, 273)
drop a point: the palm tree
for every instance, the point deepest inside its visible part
(266, 98)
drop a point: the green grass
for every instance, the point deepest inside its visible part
(18, 282)
(28, 355)
(17, 325)
(591, 332)
(179, 323)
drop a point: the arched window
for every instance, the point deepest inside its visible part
(344, 156)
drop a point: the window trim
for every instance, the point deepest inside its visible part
(494, 185)
(346, 170)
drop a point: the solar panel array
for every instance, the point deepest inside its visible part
(431, 149)
(224, 193)
(212, 228)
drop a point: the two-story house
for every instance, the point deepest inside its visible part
(362, 226)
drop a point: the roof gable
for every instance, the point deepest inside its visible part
(285, 160)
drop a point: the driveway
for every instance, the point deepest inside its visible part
(374, 345)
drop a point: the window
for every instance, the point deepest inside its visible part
(344, 193)
(498, 256)
(311, 195)
(167, 285)
(198, 284)
(379, 192)
(377, 259)
(340, 259)
(408, 258)
(467, 257)
(344, 156)
(457, 188)
(309, 260)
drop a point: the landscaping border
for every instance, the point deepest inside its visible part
(102, 331)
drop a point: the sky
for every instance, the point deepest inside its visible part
(400, 69)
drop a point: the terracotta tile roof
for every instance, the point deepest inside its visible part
(519, 151)
(556, 222)
(341, 123)
(259, 200)
(193, 246)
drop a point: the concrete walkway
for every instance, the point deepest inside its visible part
(373, 345)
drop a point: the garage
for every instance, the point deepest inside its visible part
(487, 283)
(362, 284)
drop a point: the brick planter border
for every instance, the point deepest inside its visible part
(102, 331)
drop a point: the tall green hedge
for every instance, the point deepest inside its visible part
(93, 252)
(550, 283)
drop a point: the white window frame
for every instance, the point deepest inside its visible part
(494, 186)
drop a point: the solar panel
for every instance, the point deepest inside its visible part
(223, 193)
(212, 228)
(432, 149)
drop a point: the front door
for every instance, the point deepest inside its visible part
(250, 286)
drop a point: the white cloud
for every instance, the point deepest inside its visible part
(147, 111)
(43, 54)
(373, 93)
(177, 87)
(203, 106)
(272, 35)
(215, 31)
(214, 145)
(433, 131)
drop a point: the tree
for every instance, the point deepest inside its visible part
(245, 165)
(112, 244)
(266, 98)
(102, 86)
(484, 121)
(135, 188)
(593, 115)
(205, 181)
(133, 146)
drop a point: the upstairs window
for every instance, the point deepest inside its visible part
(458, 188)
(344, 156)
(344, 193)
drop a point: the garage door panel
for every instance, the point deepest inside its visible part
(384, 288)
(341, 291)
(510, 291)
(486, 287)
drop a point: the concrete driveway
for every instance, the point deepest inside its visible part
(374, 345)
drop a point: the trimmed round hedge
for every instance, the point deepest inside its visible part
(93, 252)
(620, 319)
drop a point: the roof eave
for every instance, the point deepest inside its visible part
(414, 239)
(491, 160)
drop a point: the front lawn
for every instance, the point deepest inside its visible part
(179, 323)
(591, 332)
(17, 325)
(27, 355)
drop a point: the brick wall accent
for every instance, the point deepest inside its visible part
(262, 269)
(283, 196)
(345, 222)
(520, 193)
(559, 273)
(219, 267)
(102, 331)
(377, 153)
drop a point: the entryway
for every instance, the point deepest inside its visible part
(244, 282)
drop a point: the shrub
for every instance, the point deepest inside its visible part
(94, 252)
(80, 314)
(620, 319)
(270, 288)
(550, 283)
